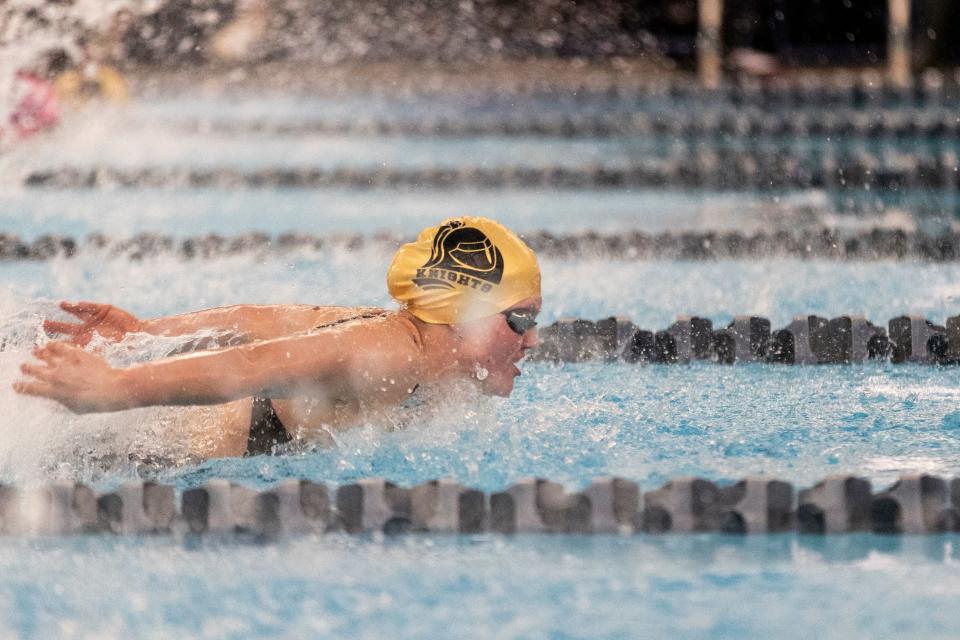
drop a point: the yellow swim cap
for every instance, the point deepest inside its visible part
(464, 269)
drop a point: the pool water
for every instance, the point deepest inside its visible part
(569, 423)
(182, 212)
(484, 587)
(650, 424)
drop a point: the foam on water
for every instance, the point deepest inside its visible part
(43, 440)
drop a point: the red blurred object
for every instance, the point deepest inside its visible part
(37, 106)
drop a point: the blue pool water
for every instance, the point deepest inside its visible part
(328, 151)
(321, 211)
(574, 423)
(569, 423)
(205, 150)
(652, 293)
(484, 587)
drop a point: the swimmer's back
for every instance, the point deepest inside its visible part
(388, 340)
(385, 345)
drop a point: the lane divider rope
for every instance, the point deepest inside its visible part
(823, 243)
(724, 169)
(807, 340)
(746, 125)
(915, 504)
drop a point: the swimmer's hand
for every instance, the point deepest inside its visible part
(102, 319)
(81, 381)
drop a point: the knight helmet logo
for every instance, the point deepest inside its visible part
(461, 256)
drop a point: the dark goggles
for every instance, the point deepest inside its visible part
(521, 320)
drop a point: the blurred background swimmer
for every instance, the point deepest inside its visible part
(469, 291)
(66, 70)
(36, 108)
(89, 79)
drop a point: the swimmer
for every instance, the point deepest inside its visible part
(469, 294)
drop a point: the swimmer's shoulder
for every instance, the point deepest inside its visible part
(372, 327)
(386, 359)
(407, 327)
(396, 332)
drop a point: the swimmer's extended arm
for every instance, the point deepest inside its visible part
(350, 362)
(253, 322)
(247, 322)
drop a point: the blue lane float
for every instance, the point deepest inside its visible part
(915, 504)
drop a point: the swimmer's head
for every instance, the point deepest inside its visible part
(481, 279)
(464, 269)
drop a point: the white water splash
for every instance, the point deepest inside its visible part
(30, 29)
(41, 439)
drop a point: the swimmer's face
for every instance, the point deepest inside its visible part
(498, 348)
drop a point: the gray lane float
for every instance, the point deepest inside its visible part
(220, 507)
(683, 505)
(692, 338)
(823, 243)
(749, 125)
(807, 340)
(374, 504)
(57, 508)
(137, 507)
(914, 504)
(448, 507)
(724, 168)
(743, 340)
(295, 507)
(866, 91)
(614, 505)
(916, 339)
(840, 504)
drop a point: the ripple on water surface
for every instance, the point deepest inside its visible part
(486, 586)
(572, 422)
(32, 212)
(656, 422)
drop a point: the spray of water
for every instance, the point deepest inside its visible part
(42, 439)
(32, 29)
